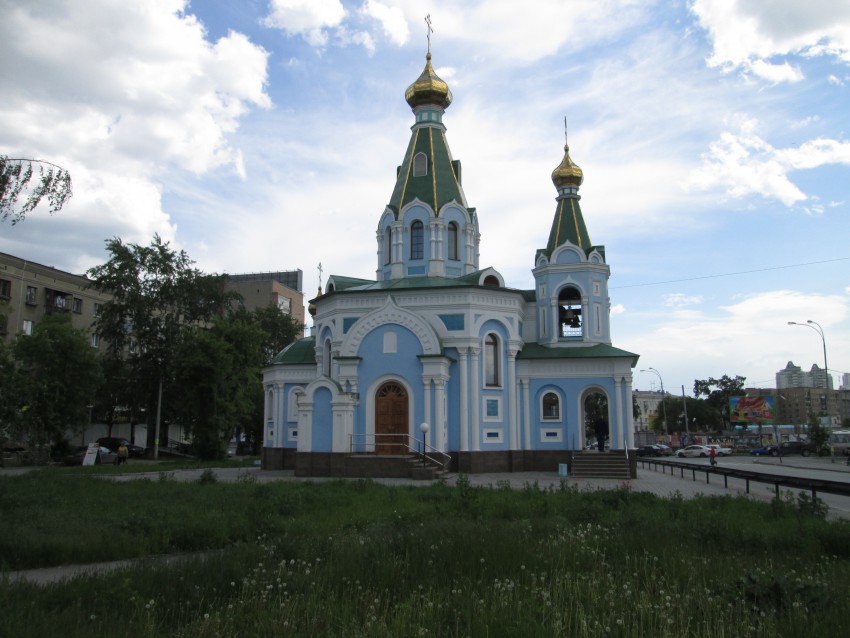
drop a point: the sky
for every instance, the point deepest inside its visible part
(264, 135)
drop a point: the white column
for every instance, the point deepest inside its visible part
(630, 417)
(475, 395)
(512, 402)
(439, 415)
(464, 400)
(554, 321)
(620, 427)
(526, 413)
(426, 392)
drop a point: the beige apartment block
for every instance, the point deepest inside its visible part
(30, 291)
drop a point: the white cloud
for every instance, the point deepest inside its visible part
(680, 300)
(747, 34)
(123, 94)
(745, 164)
(307, 18)
(391, 19)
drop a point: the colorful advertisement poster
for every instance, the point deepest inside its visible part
(752, 410)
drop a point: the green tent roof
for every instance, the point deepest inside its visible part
(598, 351)
(297, 353)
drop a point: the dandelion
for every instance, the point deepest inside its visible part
(206, 616)
(92, 617)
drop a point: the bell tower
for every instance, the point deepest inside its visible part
(570, 274)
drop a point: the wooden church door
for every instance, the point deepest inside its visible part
(391, 426)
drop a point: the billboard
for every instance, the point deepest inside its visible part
(752, 410)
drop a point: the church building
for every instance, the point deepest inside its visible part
(436, 354)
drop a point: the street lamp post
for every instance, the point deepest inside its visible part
(663, 404)
(814, 325)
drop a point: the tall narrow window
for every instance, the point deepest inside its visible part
(388, 245)
(420, 165)
(570, 312)
(491, 361)
(327, 358)
(452, 240)
(417, 240)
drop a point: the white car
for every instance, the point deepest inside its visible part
(694, 450)
(719, 450)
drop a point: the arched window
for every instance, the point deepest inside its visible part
(452, 241)
(492, 281)
(551, 407)
(491, 361)
(569, 312)
(326, 358)
(420, 165)
(417, 240)
(388, 245)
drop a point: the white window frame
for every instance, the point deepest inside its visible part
(551, 419)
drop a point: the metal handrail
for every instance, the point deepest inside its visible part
(412, 444)
(815, 485)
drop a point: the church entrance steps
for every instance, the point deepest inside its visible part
(612, 464)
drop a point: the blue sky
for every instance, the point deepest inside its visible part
(264, 135)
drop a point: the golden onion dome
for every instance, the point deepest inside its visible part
(567, 173)
(311, 307)
(428, 89)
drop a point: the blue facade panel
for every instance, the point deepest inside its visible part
(322, 421)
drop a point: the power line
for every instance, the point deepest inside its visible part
(732, 274)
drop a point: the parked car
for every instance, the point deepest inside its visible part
(694, 450)
(114, 442)
(665, 450)
(719, 450)
(796, 447)
(105, 455)
(648, 450)
(765, 450)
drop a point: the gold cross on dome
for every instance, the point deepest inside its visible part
(320, 274)
(430, 30)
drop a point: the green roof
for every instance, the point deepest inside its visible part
(568, 226)
(351, 284)
(297, 353)
(598, 351)
(440, 184)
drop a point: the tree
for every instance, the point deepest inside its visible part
(53, 183)
(700, 412)
(595, 408)
(717, 393)
(279, 330)
(57, 376)
(818, 435)
(157, 296)
(217, 378)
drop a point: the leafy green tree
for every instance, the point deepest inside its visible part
(279, 330)
(217, 372)
(53, 183)
(818, 435)
(717, 393)
(157, 296)
(8, 392)
(702, 416)
(58, 374)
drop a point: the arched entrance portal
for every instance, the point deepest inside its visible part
(596, 418)
(391, 427)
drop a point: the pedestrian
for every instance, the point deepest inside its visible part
(712, 456)
(601, 429)
(123, 453)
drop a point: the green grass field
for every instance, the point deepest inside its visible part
(354, 558)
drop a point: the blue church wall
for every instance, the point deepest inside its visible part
(572, 393)
(289, 414)
(322, 421)
(401, 364)
(493, 400)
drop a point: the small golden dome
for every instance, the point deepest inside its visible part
(311, 307)
(428, 89)
(567, 173)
